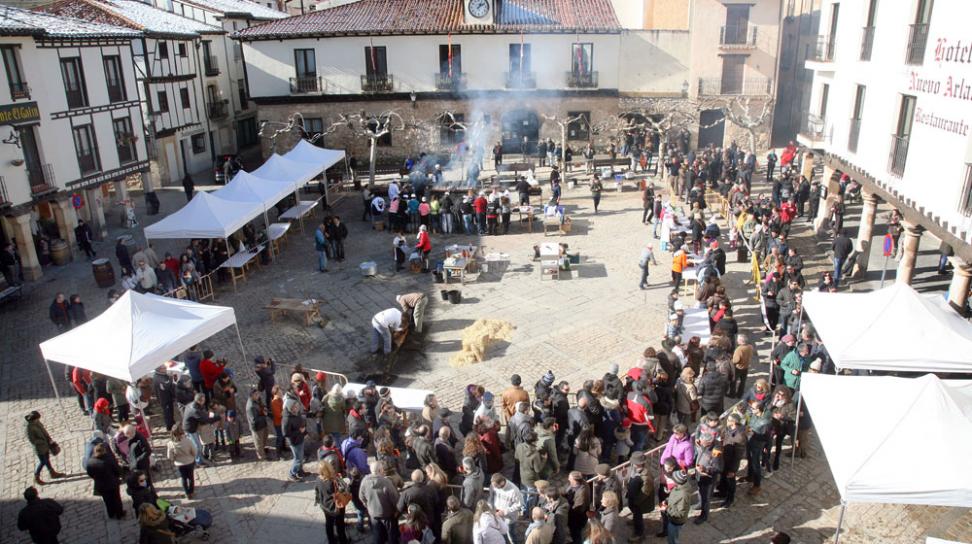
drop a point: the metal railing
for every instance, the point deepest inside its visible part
(823, 49)
(4, 199)
(89, 162)
(450, 82)
(738, 35)
(41, 179)
(19, 90)
(867, 42)
(917, 41)
(813, 125)
(197, 292)
(211, 65)
(521, 80)
(306, 84)
(377, 83)
(585, 80)
(853, 135)
(898, 157)
(217, 109)
(748, 86)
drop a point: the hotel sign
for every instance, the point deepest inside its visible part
(11, 114)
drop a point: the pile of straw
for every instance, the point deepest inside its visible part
(477, 338)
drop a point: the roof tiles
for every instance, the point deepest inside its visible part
(440, 17)
(15, 21)
(132, 14)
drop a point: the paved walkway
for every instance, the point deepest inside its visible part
(577, 327)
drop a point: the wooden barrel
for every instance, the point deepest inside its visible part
(104, 274)
(60, 252)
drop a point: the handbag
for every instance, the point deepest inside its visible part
(341, 496)
(55, 448)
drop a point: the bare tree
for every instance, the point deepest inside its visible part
(749, 113)
(564, 124)
(373, 127)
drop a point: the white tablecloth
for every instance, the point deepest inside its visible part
(696, 323)
(241, 258)
(278, 229)
(300, 210)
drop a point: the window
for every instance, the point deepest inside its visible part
(376, 61)
(582, 58)
(184, 98)
(115, 78)
(902, 135)
(451, 129)
(124, 140)
(15, 76)
(163, 98)
(181, 48)
(737, 24)
(312, 127)
(450, 62)
(867, 36)
(86, 149)
(163, 50)
(209, 60)
(519, 58)
(246, 132)
(965, 201)
(855, 124)
(241, 89)
(919, 32)
(71, 71)
(199, 143)
(580, 129)
(733, 68)
(305, 63)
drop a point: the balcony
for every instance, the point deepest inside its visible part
(823, 49)
(19, 90)
(377, 83)
(737, 37)
(867, 42)
(211, 65)
(899, 155)
(853, 135)
(306, 84)
(89, 162)
(41, 180)
(577, 80)
(756, 86)
(916, 44)
(218, 109)
(814, 132)
(450, 82)
(521, 80)
(4, 199)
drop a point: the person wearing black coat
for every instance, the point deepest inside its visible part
(141, 491)
(41, 517)
(82, 233)
(139, 451)
(60, 313)
(123, 256)
(103, 469)
(337, 232)
(165, 391)
(76, 310)
(426, 497)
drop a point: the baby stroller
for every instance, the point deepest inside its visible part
(186, 521)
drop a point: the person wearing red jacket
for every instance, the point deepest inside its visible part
(424, 246)
(788, 211)
(210, 371)
(479, 206)
(641, 415)
(81, 380)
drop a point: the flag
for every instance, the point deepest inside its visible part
(374, 64)
(450, 55)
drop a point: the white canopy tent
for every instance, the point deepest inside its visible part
(280, 168)
(205, 216)
(306, 152)
(246, 187)
(901, 453)
(136, 334)
(892, 329)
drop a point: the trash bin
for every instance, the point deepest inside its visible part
(455, 296)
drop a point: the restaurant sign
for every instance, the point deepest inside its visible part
(11, 114)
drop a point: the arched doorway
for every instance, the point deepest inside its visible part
(517, 125)
(712, 128)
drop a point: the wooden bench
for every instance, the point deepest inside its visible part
(11, 292)
(311, 309)
(514, 167)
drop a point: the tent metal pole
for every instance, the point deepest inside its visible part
(240, 339)
(796, 429)
(840, 521)
(56, 392)
(266, 225)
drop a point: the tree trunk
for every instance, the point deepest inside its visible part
(752, 140)
(563, 150)
(371, 161)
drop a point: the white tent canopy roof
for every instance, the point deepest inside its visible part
(280, 168)
(246, 187)
(205, 216)
(910, 450)
(893, 329)
(136, 334)
(305, 151)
